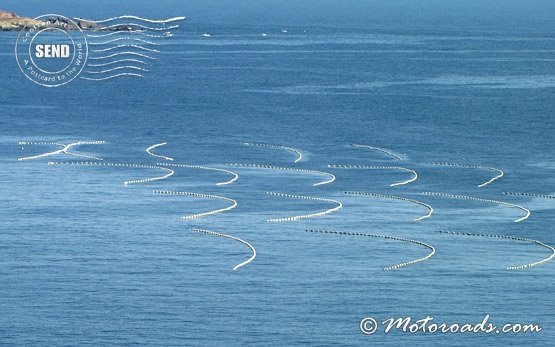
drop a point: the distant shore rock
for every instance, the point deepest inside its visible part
(9, 21)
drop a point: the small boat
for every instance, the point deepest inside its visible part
(206, 35)
(264, 34)
(283, 30)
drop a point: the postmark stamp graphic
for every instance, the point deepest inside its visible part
(52, 50)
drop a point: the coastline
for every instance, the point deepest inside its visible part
(10, 21)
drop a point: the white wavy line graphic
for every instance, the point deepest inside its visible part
(136, 25)
(149, 151)
(235, 175)
(534, 195)
(118, 68)
(64, 150)
(467, 166)
(203, 196)
(464, 197)
(518, 267)
(232, 238)
(154, 21)
(130, 46)
(124, 53)
(290, 149)
(129, 60)
(271, 167)
(110, 77)
(376, 195)
(125, 165)
(133, 32)
(367, 167)
(124, 39)
(378, 149)
(394, 267)
(311, 215)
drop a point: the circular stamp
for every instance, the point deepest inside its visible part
(52, 50)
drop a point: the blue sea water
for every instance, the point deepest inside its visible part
(85, 260)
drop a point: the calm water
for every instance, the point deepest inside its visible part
(85, 260)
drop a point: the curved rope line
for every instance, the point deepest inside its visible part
(41, 155)
(518, 267)
(113, 76)
(464, 197)
(128, 38)
(83, 156)
(378, 149)
(135, 25)
(125, 46)
(372, 167)
(133, 32)
(232, 238)
(31, 143)
(376, 195)
(235, 176)
(388, 268)
(64, 150)
(290, 149)
(499, 172)
(135, 166)
(123, 53)
(23, 143)
(118, 68)
(155, 21)
(534, 195)
(129, 60)
(271, 167)
(311, 215)
(198, 195)
(149, 151)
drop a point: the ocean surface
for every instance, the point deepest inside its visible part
(86, 260)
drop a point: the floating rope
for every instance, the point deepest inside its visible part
(198, 195)
(378, 149)
(125, 165)
(372, 167)
(464, 197)
(514, 238)
(270, 167)
(376, 195)
(236, 176)
(64, 150)
(149, 151)
(311, 215)
(394, 267)
(499, 172)
(233, 238)
(531, 195)
(290, 149)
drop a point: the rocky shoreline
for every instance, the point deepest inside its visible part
(9, 21)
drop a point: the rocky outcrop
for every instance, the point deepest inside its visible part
(11, 22)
